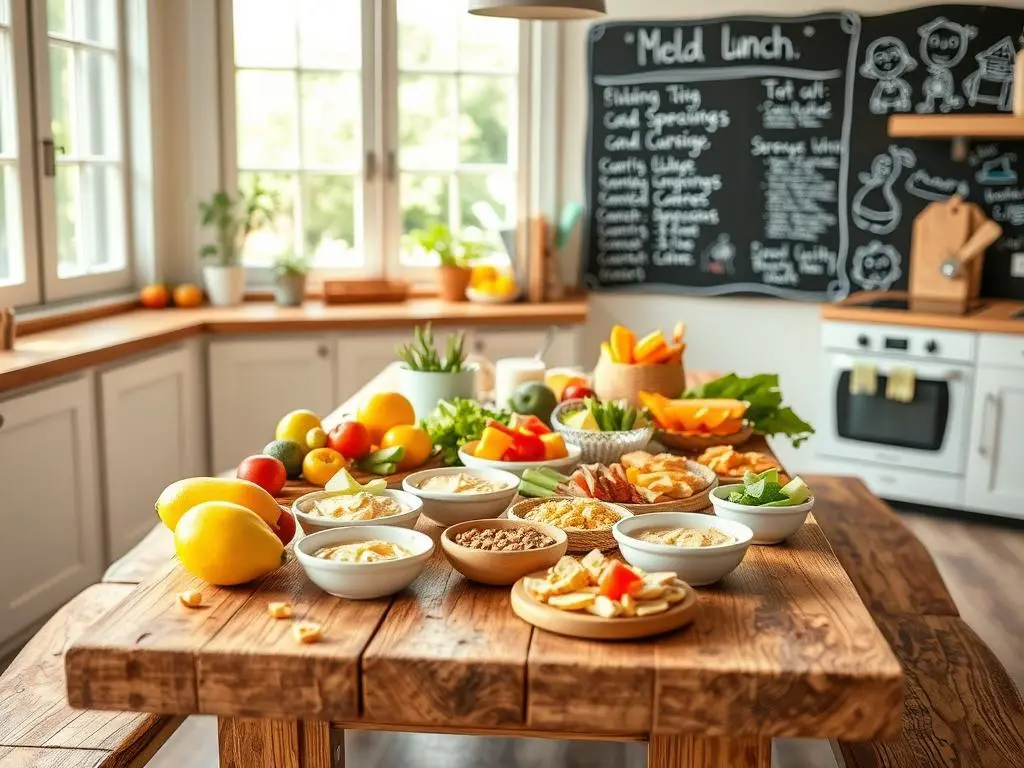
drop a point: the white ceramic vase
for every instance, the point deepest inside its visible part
(424, 390)
(224, 285)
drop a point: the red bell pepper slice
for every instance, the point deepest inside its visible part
(532, 424)
(616, 580)
(526, 446)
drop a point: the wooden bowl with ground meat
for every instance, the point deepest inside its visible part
(500, 552)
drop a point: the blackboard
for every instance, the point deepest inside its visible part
(749, 154)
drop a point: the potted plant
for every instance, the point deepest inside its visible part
(426, 378)
(290, 279)
(232, 218)
(453, 254)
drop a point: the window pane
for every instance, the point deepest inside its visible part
(96, 22)
(12, 267)
(494, 189)
(426, 105)
(102, 217)
(8, 109)
(330, 220)
(266, 33)
(101, 121)
(58, 17)
(5, 12)
(67, 194)
(486, 104)
(331, 120)
(330, 34)
(267, 119)
(488, 45)
(268, 242)
(425, 201)
(425, 34)
(62, 97)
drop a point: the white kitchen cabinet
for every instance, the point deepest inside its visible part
(52, 545)
(254, 383)
(995, 478)
(152, 430)
(361, 356)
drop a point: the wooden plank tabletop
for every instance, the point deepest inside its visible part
(782, 647)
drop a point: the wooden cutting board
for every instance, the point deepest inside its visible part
(293, 489)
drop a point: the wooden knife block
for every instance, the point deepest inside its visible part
(940, 230)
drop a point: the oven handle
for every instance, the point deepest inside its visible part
(985, 445)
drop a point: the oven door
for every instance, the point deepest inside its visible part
(929, 433)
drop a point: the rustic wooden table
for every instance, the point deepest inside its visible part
(782, 647)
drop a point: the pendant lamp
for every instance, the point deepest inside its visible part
(541, 10)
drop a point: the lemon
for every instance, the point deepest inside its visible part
(296, 425)
(226, 544)
(178, 498)
(316, 438)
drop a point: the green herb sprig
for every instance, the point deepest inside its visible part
(422, 355)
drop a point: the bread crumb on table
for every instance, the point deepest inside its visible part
(306, 632)
(192, 598)
(279, 610)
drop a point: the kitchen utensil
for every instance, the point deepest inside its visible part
(545, 345)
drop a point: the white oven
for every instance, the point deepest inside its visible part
(931, 432)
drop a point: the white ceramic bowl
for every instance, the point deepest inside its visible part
(770, 525)
(518, 467)
(309, 524)
(451, 508)
(696, 567)
(364, 581)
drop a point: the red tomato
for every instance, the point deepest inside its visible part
(616, 580)
(285, 528)
(577, 392)
(266, 471)
(351, 439)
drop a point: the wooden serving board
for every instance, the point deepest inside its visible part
(585, 625)
(293, 489)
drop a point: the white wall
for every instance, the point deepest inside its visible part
(745, 335)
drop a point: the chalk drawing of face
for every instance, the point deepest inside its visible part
(943, 43)
(876, 266)
(887, 58)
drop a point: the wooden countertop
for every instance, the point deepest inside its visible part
(993, 316)
(48, 354)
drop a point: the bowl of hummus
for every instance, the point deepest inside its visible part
(453, 495)
(325, 510)
(700, 549)
(362, 563)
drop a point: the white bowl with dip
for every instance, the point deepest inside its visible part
(447, 500)
(364, 581)
(304, 510)
(771, 525)
(696, 566)
(517, 468)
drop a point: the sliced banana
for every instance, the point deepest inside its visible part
(651, 608)
(628, 604)
(574, 601)
(661, 578)
(604, 607)
(674, 595)
(648, 592)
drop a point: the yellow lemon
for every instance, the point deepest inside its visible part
(296, 425)
(178, 498)
(384, 411)
(226, 544)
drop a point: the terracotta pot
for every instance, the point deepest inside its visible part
(615, 381)
(452, 282)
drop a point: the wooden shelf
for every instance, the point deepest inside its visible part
(957, 126)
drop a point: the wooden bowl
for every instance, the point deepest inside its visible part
(580, 539)
(682, 441)
(699, 502)
(586, 625)
(622, 381)
(501, 568)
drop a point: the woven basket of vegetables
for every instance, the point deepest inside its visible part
(606, 431)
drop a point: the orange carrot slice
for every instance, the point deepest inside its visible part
(622, 343)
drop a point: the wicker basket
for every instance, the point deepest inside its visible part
(621, 381)
(579, 540)
(699, 502)
(598, 447)
(680, 441)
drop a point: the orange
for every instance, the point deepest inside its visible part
(321, 464)
(384, 411)
(187, 295)
(416, 442)
(154, 296)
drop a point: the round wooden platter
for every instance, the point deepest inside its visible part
(587, 626)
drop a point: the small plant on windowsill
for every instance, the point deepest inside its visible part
(233, 218)
(290, 271)
(454, 254)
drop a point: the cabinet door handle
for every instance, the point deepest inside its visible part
(1, 421)
(323, 351)
(986, 445)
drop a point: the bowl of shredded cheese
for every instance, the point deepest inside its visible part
(587, 523)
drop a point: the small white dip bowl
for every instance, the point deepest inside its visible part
(771, 525)
(696, 567)
(451, 508)
(309, 523)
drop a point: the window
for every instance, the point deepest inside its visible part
(368, 119)
(64, 233)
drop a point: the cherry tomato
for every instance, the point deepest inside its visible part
(351, 439)
(285, 528)
(616, 580)
(266, 471)
(577, 392)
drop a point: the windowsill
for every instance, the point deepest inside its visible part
(50, 316)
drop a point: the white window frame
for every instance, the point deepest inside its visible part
(29, 291)
(381, 219)
(366, 171)
(55, 288)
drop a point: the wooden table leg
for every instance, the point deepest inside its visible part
(250, 743)
(698, 752)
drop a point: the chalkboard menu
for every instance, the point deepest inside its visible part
(750, 155)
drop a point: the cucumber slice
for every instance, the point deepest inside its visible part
(749, 478)
(757, 490)
(782, 503)
(797, 491)
(771, 475)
